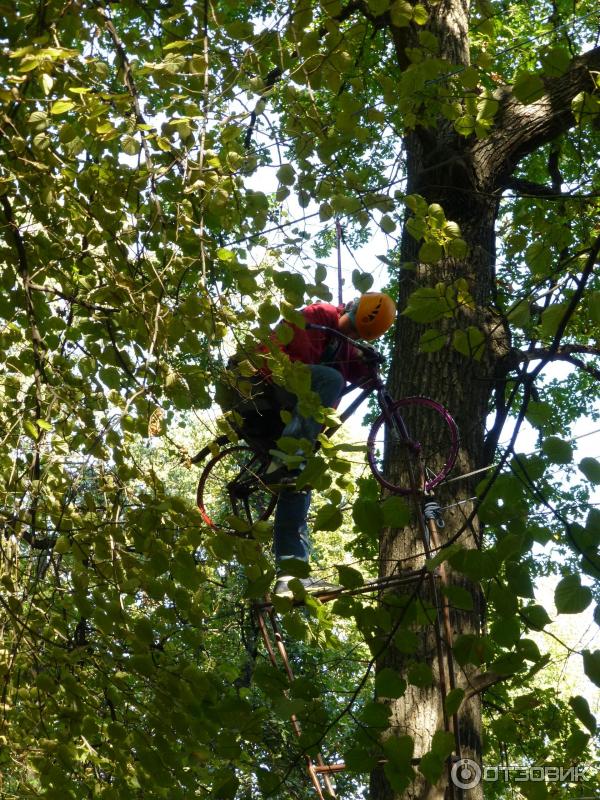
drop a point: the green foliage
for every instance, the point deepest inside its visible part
(159, 164)
(570, 596)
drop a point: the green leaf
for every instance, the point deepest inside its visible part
(465, 125)
(362, 281)
(459, 597)
(576, 744)
(61, 106)
(30, 428)
(368, 516)
(268, 781)
(349, 577)
(528, 87)
(581, 709)
(539, 413)
(534, 790)
(296, 567)
(329, 518)
(591, 469)
(443, 743)
(387, 224)
(389, 683)
(431, 341)
(420, 15)
(529, 650)
(519, 580)
(592, 525)
(538, 258)
(286, 174)
(396, 512)
(401, 13)
(240, 29)
(399, 750)
(62, 545)
(325, 212)
(593, 302)
(469, 342)
(552, 317)
(469, 77)
(535, 616)
(506, 632)
(430, 252)
(358, 759)
(558, 450)
(470, 649)
(225, 785)
(376, 715)
(556, 62)
(475, 564)
(178, 44)
(420, 674)
(431, 766)
(457, 248)
(570, 596)
(519, 313)
(398, 778)
(406, 641)
(425, 305)
(432, 763)
(377, 7)
(505, 728)
(130, 145)
(453, 701)
(508, 664)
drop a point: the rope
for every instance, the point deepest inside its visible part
(338, 233)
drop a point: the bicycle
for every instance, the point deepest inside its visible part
(231, 482)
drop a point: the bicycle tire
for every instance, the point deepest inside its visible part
(229, 486)
(431, 430)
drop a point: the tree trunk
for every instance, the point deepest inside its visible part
(463, 385)
(466, 177)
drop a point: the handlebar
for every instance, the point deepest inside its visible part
(369, 351)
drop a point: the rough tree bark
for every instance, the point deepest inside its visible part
(467, 177)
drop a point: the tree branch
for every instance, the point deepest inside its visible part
(521, 128)
(526, 188)
(566, 352)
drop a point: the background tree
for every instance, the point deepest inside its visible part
(139, 246)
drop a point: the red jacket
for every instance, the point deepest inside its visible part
(317, 347)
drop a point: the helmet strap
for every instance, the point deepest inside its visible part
(351, 309)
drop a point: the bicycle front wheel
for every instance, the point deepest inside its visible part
(412, 446)
(229, 485)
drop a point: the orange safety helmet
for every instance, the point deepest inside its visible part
(373, 313)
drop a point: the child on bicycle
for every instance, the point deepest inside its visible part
(332, 362)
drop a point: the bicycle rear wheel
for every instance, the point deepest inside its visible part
(414, 446)
(229, 485)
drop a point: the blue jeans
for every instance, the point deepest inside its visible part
(290, 531)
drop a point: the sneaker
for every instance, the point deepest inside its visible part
(310, 585)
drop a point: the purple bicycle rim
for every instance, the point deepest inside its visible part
(454, 441)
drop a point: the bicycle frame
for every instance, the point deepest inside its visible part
(367, 387)
(375, 385)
